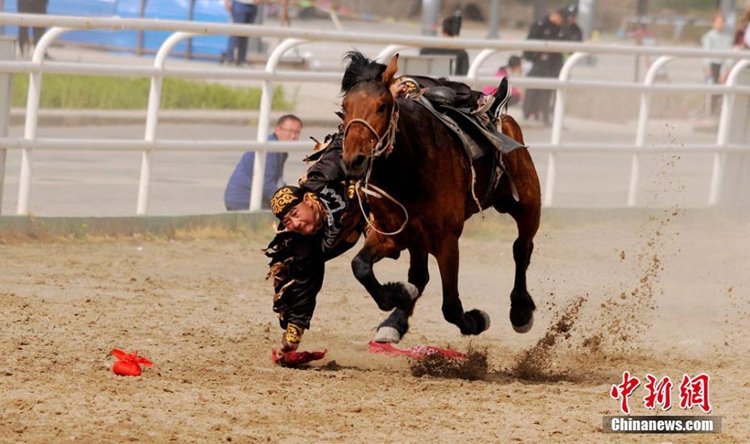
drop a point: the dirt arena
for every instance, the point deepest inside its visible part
(661, 293)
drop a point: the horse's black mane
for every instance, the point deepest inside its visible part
(360, 69)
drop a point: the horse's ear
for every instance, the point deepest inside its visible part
(390, 71)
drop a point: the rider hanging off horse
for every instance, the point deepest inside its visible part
(325, 215)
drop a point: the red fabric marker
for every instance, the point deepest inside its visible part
(128, 364)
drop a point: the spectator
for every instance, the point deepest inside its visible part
(512, 69)
(537, 102)
(241, 11)
(571, 32)
(30, 7)
(742, 35)
(237, 194)
(715, 70)
(451, 28)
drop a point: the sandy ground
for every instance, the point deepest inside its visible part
(663, 293)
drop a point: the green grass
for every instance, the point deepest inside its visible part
(683, 6)
(103, 92)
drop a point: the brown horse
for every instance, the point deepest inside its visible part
(402, 148)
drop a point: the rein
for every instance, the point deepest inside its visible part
(384, 145)
(379, 192)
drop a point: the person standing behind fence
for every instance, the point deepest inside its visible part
(544, 64)
(30, 7)
(715, 70)
(237, 194)
(570, 31)
(742, 35)
(511, 70)
(241, 11)
(451, 28)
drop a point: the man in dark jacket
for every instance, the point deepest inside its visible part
(544, 64)
(317, 222)
(559, 25)
(571, 32)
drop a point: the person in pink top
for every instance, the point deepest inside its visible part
(512, 69)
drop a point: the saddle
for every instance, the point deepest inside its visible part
(486, 109)
(466, 123)
(478, 140)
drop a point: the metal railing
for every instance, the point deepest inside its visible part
(292, 38)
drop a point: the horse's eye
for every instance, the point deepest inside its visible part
(381, 109)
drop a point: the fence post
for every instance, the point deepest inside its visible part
(139, 39)
(264, 121)
(430, 16)
(494, 20)
(7, 52)
(735, 188)
(641, 130)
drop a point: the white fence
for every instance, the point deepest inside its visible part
(292, 38)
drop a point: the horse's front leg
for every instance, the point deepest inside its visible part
(472, 322)
(397, 323)
(388, 296)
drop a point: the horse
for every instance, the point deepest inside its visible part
(398, 148)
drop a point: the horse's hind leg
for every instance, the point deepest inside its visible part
(526, 211)
(472, 322)
(397, 323)
(521, 304)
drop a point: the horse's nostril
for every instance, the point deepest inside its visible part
(359, 162)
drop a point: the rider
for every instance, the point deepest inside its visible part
(316, 224)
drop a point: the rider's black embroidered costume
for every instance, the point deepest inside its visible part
(298, 261)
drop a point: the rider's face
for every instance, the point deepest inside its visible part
(304, 218)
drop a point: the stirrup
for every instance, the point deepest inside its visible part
(502, 97)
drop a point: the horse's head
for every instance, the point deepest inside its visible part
(369, 111)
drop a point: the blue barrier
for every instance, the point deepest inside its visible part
(128, 41)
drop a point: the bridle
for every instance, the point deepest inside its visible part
(385, 142)
(384, 145)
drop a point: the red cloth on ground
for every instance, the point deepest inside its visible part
(416, 352)
(293, 358)
(128, 364)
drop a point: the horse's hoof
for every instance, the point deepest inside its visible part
(525, 328)
(411, 290)
(398, 295)
(480, 321)
(388, 334)
(486, 318)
